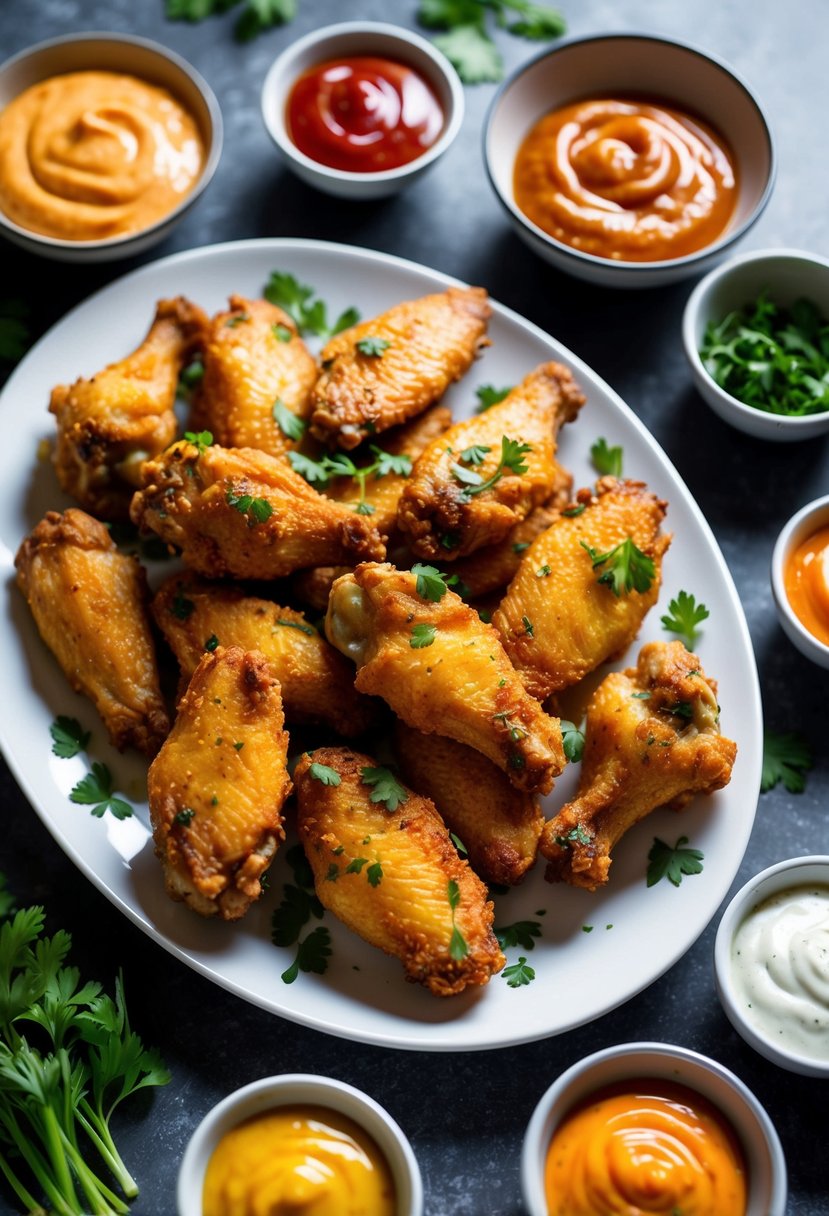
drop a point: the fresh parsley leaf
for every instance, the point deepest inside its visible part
(488, 396)
(475, 454)
(430, 584)
(518, 974)
(512, 459)
(672, 863)
(472, 53)
(260, 15)
(68, 737)
(522, 933)
(422, 636)
(628, 568)
(281, 332)
(211, 643)
(606, 460)
(297, 907)
(683, 616)
(356, 864)
(324, 774)
(289, 423)
(460, 847)
(257, 510)
(572, 512)
(576, 835)
(529, 628)
(200, 439)
(314, 471)
(373, 348)
(458, 948)
(300, 625)
(96, 790)
(389, 462)
(189, 378)
(181, 607)
(385, 786)
(374, 874)
(538, 22)
(312, 954)
(184, 816)
(572, 740)
(299, 302)
(786, 758)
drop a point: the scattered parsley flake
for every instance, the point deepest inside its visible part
(786, 758)
(683, 616)
(572, 739)
(373, 348)
(257, 510)
(488, 396)
(385, 786)
(422, 636)
(576, 835)
(312, 955)
(199, 439)
(528, 626)
(211, 643)
(68, 737)
(519, 974)
(606, 460)
(96, 790)
(289, 423)
(324, 774)
(522, 933)
(281, 332)
(184, 816)
(374, 874)
(302, 626)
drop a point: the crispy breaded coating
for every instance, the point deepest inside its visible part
(217, 786)
(409, 357)
(393, 876)
(652, 739)
(89, 603)
(109, 424)
(317, 683)
(498, 825)
(455, 681)
(243, 513)
(576, 621)
(443, 512)
(494, 567)
(253, 358)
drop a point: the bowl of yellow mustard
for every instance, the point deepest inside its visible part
(106, 140)
(295, 1143)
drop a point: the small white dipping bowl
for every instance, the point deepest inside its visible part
(300, 1089)
(765, 1163)
(350, 39)
(630, 65)
(786, 275)
(133, 56)
(807, 521)
(785, 875)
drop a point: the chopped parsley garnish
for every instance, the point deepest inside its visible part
(238, 318)
(68, 737)
(607, 460)
(572, 740)
(300, 625)
(281, 332)
(520, 545)
(385, 786)
(627, 567)
(786, 758)
(543, 571)
(374, 874)
(518, 974)
(189, 378)
(184, 816)
(488, 396)
(422, 636)
(299, 302)
(474, 454)
(257, 510)
(528, 626)
(458, 949)
(312, 955)
(467, 42)
(321, 471)
(181, 607)
(211, 643)
(576, 835)
(96, 790)
(324, 774)
(681, 709)
(289, 423)
(431, 583)
(672, 863)
(373, 348)
(200, 439)
(683, 616)
(355, 865)
(299, 902)
(522, 933)
(572, 512)
(512, 459)
(461, 848)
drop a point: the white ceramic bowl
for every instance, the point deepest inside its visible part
(613, 65)
(361, 38)
(808, 520)
(766, 1165)
(300, 1089)
(114, 53)
(786, 274)
(795, 872)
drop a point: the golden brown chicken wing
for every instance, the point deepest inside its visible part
(652, 739)
(108, 425)
(492, 568)
(383, 371)
(441, 669)
(317, 683)
(258, 376)
(89, 604)
(239, 512)
(498, 825)
(475, 483)
(387, 868)
(566, 611)
(217, 786)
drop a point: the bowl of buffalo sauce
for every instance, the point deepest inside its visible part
(362, 109)
(800, 580)
(648, 1126)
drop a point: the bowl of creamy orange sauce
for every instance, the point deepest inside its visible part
(628, 160)
(771, 958)
(651, 1128)
(800, 585)
(299, 1145)
(105, 141)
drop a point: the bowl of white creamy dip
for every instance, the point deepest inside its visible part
(771, 959)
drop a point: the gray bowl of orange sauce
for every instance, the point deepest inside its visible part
(105, 141)
(629, 160)
(651, 1125)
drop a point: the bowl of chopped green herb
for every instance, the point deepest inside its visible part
(756, 334)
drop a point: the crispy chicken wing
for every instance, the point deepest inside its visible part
(652, 739)
(393, 876)
(465, 493)
(239, 512)
(317, 683)
(492, 568)
(498, 825)
(383, 371)
(108, 425)
(559, 619)
(253, 359)
(442, 670)
(217, 786)
(89, 603)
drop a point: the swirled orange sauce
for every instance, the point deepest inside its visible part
(92, 155)
(806, 579)
(650, 1148)
(298, 1161)
(626, 180)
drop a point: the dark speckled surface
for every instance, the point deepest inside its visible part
(465, 1114)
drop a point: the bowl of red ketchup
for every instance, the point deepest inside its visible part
(362, 109)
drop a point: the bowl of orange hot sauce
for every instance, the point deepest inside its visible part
(800, 580)
(362, 109)
(629, 160)
(653, 1128)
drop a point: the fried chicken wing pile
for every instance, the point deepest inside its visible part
(453, 588)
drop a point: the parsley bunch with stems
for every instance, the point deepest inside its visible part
(302, 304)
(320, 472)
(68, 1058)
